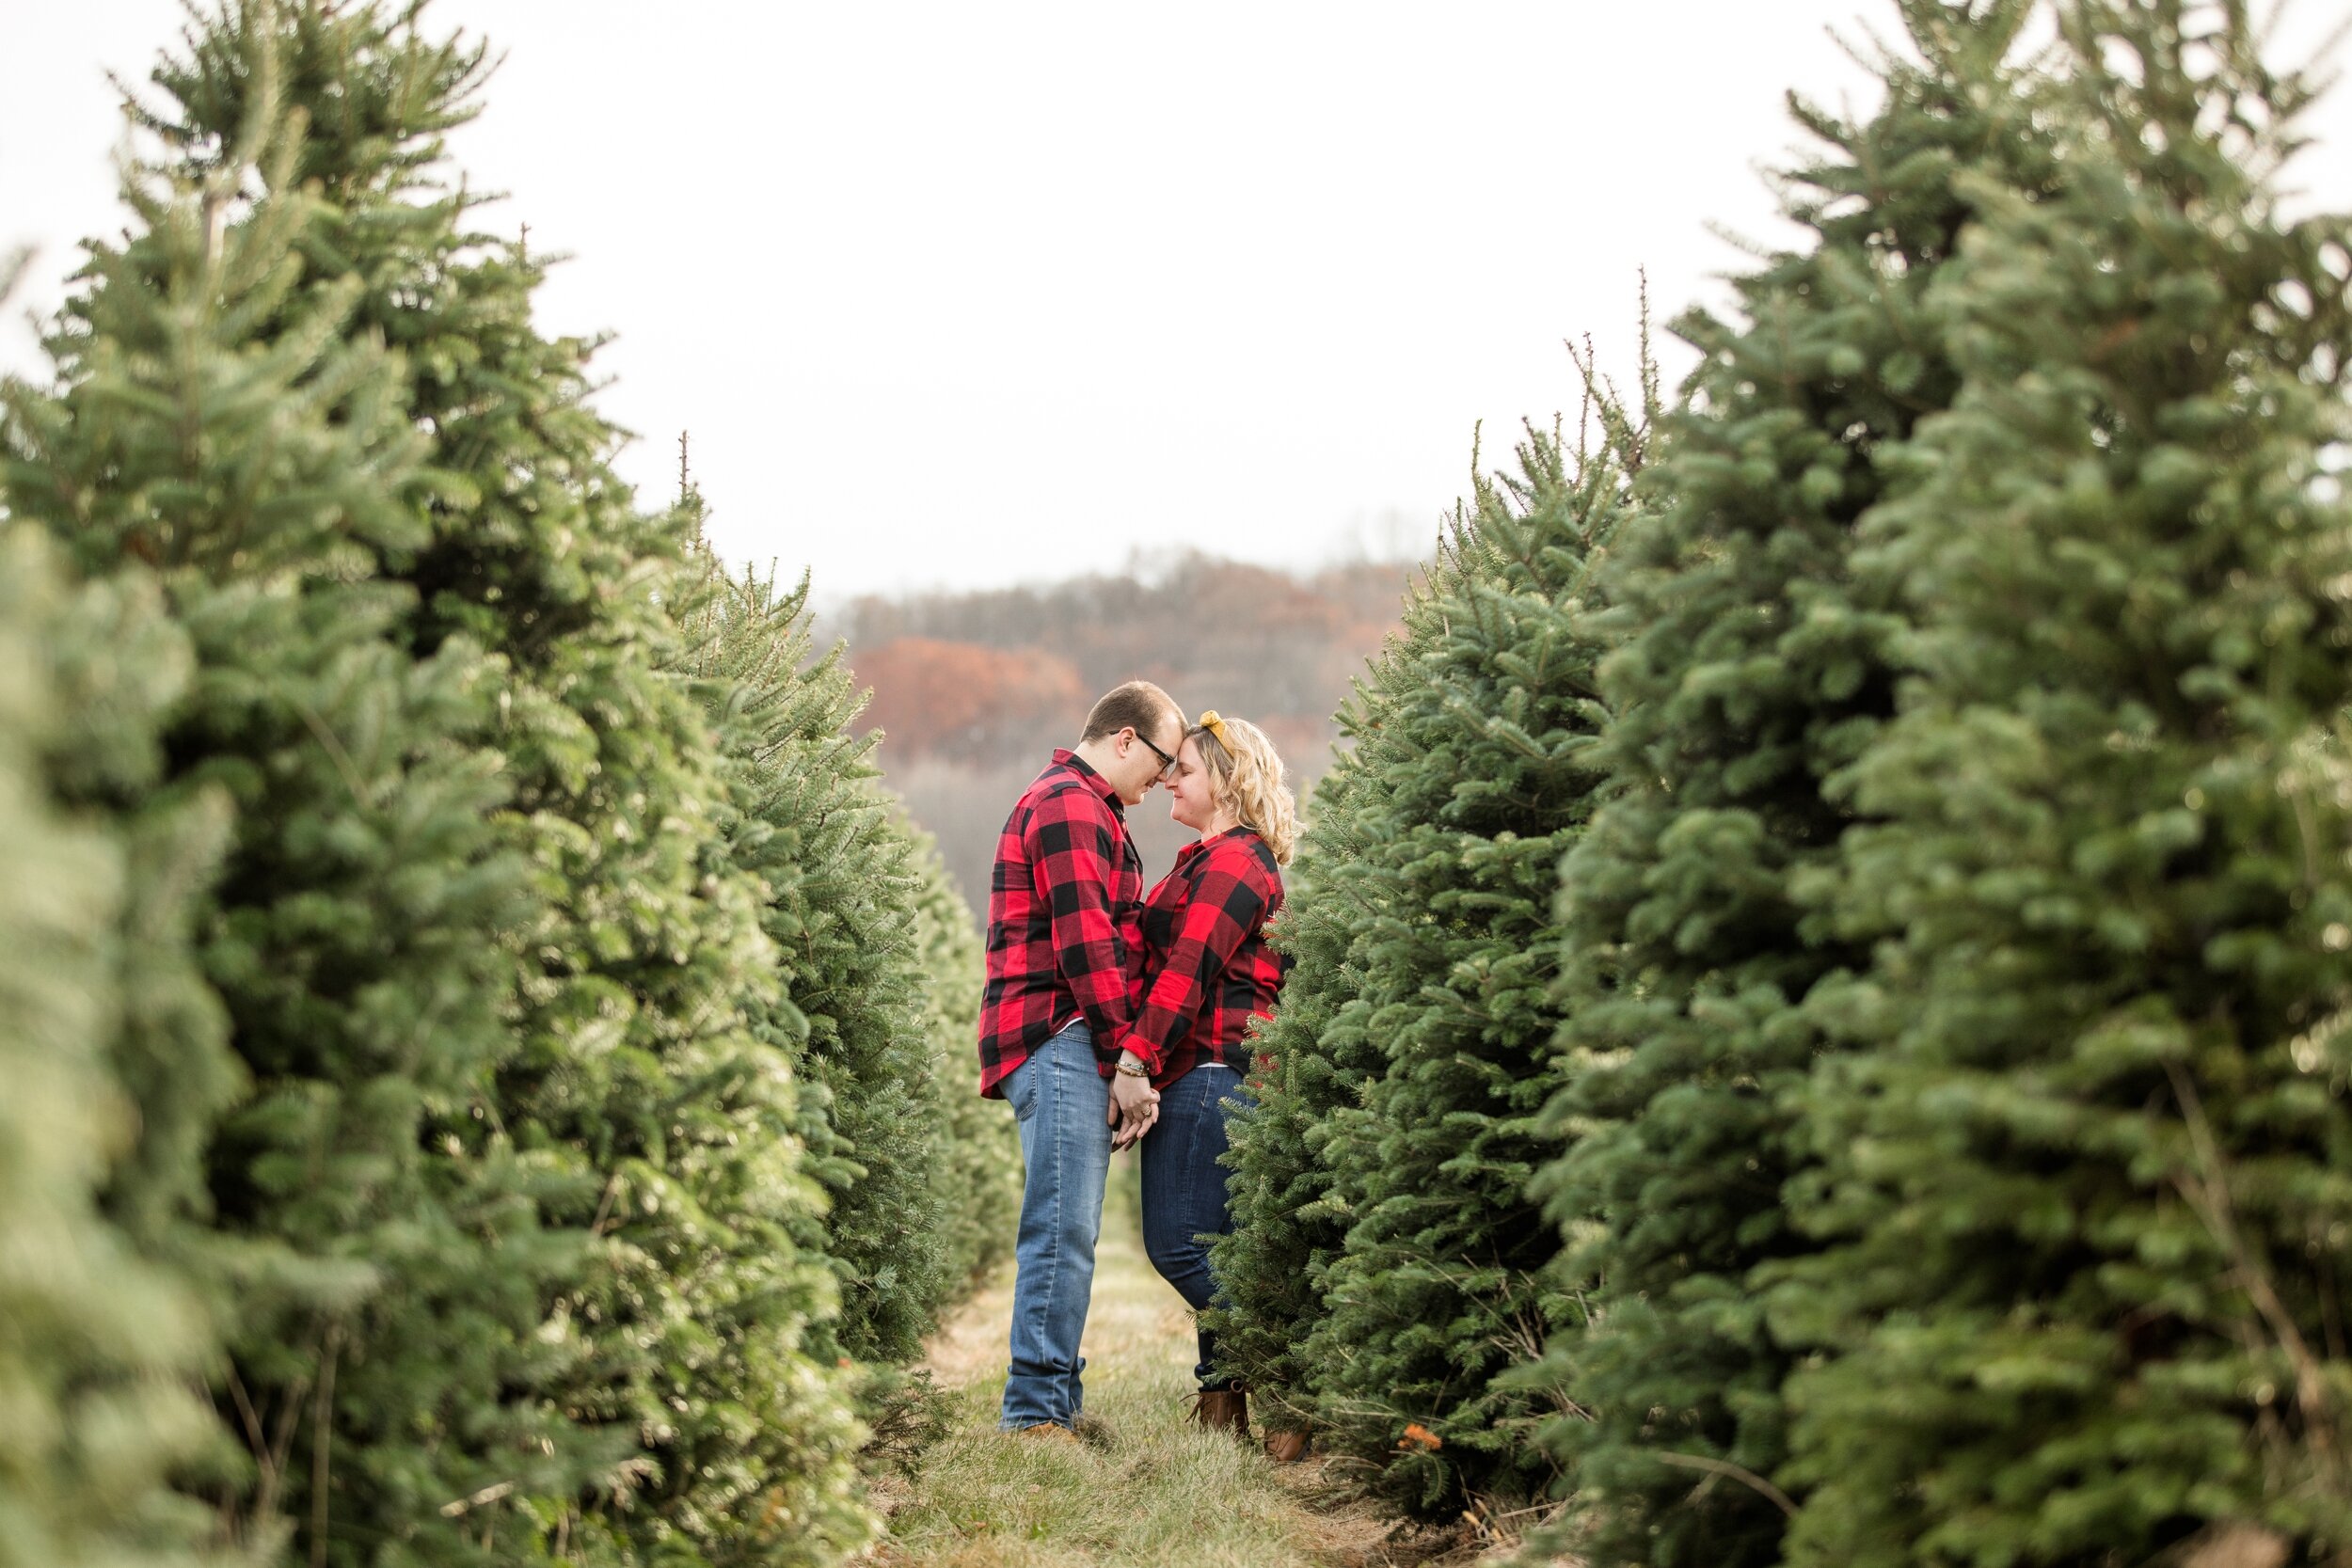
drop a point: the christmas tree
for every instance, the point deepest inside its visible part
(104, 1335)
(351, 1263)
(1439, 1284)
(1315, 1056)
(1754, 669)
(976, 1172)
(841, 904)
(2085, 1177)
(845, 926)
(647, 1304)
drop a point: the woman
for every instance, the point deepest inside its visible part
(1206, 972)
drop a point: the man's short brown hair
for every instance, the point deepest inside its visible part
(1138, 704)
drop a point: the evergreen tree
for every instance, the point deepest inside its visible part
(1439, 1284)
(378, 1285)
(977, 1173)
(2090, 1159)
(742, 651)
(100, 1339)
(1315, 1055)
(841, 892)
(1754, 669)
(647, 1116)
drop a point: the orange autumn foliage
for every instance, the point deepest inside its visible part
(933, 697)
(973, 689)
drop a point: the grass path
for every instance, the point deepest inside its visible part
(1164, 1493)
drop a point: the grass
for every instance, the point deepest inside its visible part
(1164, 1492)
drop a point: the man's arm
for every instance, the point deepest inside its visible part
(1074, 859)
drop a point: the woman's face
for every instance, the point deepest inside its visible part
(1190, 799)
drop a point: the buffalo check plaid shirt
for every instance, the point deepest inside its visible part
(1062, 905)
(1206, 970)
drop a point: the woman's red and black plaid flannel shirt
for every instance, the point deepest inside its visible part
(1062, 905)
(1206, 968)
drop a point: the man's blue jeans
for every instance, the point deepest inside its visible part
(1184, 1190)
(1063, 1105)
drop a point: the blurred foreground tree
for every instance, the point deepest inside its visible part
(590, 1343)
(105, 1337)
(1753, 667)
(2087, 1142)
(221, 422)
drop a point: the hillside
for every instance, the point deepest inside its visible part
(973, 690)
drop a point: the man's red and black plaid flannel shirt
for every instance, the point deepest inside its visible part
(1206, 968)
(1062, 905)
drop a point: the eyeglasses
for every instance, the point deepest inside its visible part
(1168, 764)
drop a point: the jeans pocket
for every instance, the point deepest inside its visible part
(1020, 1090)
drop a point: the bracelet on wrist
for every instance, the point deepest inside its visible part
(1133, 1070)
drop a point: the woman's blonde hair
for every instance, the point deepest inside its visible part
(1245, 777)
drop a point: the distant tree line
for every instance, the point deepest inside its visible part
(972, 690)
(1256, 640)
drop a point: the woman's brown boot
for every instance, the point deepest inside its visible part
(1224, 1410)
(1286, 1448)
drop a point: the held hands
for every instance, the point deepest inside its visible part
(1134, 1104)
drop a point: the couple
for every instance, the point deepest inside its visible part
(1114, 1017)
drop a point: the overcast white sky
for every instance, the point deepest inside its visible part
(976, 293)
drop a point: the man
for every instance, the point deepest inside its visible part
(1062, 910)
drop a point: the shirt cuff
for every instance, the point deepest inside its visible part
(1145, 1052)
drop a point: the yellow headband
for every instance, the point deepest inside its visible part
(1216, 726)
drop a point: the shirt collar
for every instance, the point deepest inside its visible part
(1064, 757)
(1198, 845)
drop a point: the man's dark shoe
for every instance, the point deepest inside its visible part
(1091, 1430)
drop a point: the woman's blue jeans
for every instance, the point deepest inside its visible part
(1184, 1190)
(1063, 1105)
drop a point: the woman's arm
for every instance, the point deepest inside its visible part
(1226, 905)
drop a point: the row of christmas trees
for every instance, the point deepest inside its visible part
(488, 1078)
(1819, 1028)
